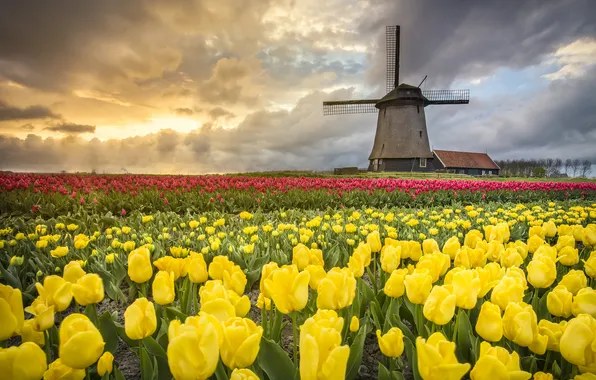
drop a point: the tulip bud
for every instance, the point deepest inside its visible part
(418, 286)
(140, 320)
(81, 343)
(105, 363)
(336, 290)
(490, 325)
(139, 265)
(163, 288)
(242, 338)
(88, 289)
(440, 304)
(392, 343)
(354, 324)
(559, 301)
(243, 374)
(584, 302)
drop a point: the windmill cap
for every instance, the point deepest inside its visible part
(402, 92)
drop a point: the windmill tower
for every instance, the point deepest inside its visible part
(401, 142)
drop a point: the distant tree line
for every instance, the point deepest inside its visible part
(549, 167)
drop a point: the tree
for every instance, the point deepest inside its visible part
(576, 165)
(557, 165)
(568, 165)
(586, 168)
(539, 172)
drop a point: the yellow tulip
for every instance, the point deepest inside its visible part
(565, 241)
(12, 315)
(568, 256)
(437, 264)
(520, 324)
(197, 268)
(354, 324)
(440, 304)
(414, 250)
(430, 246)
(489, 277)
(73, 271)
(356, 265)
(373, 239)
(511, 258)
(30, 333)
(242, 338)
(534, 242)
(321, 355)
(509, 289)
(301, 256)
(263, 301)
(163, 288)
(56, 292)
(139, 265)
(542, 376)
(542, 271)
(549, 229)
(559, 301)
(59, 371)
(88, 289)
(418, 286)
(589, 237)
(437, 360)
(266, 272)
(140, 320)
(553, 331)
(59, 252)
(26, 362)
(44, 314)
(395, 285)
(241, 303)
(590, 265)
(584, 302)
(490, 324)
(574, 280)
(466, 286)
(111, 257)
(288, 288)
(196, 323)
(243, 374)
(81, 343)
(391, 343)
(495, 250)
(390, 258)
(105, 363)
(472, 238)
(337, 290)
(497, 363)
(317, 273)
(537, 231)
(193, 352)
(576, 343)
(451, 247)
(178, 267)
(364, 252)
(235, 280)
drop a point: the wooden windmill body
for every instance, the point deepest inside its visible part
(401, 140)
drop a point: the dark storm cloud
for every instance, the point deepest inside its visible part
(71, 128)
(8, 112)
(457, 38)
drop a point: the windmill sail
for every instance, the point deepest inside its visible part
(392, 42)
(342, 107)
(446, 96)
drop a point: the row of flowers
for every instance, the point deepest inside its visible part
(500, 297)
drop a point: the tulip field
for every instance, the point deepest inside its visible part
(231, 277)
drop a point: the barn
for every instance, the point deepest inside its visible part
(470, 163)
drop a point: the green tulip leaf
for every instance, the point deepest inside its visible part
(464, 337)
(109, 332)
(355, 358)
(412, 357)
(220, 371)
(274, 361)
(153, 347)
(117, 374)
(175, 313)
(146, 365)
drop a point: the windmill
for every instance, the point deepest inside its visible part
(401, 141)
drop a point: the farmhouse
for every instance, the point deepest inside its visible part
(465, 162)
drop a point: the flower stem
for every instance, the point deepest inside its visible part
(295, 340)
(195, 297)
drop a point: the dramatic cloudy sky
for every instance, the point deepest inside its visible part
(193, 86)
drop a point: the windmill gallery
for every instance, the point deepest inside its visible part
(401, 140)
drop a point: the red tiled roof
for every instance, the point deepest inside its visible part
(452, 159)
